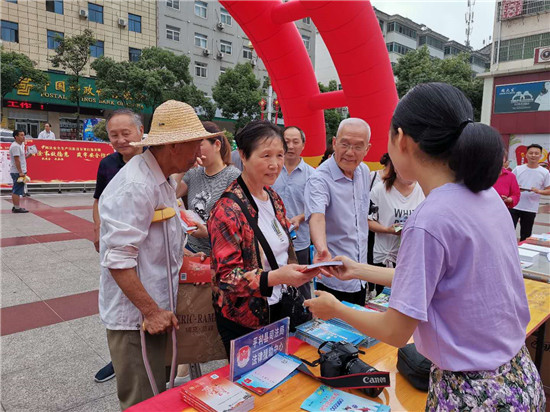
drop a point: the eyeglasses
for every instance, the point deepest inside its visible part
(346, 147)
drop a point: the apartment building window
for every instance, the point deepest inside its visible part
(306, 20)
(430, 41)
(55, 6)
(200, 69)
(53, 39)
(225, 17)
(200, 9)
(306, 41)
(97, 49)
(522, 47)
(398, 48)
(134, 54)
(201, 40)
(381, 23)
(134, 22)
(226, 47)
(406, 31)
(11, 1)
(173, 33)
(10, 31)
(95, 13)
(247, 52)
(174, 4)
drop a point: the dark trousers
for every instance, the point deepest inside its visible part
(229, 330)
(526, 222)
(351, 297)
(304, 258)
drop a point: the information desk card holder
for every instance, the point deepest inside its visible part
(254, 349)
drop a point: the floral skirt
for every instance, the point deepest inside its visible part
(515, 386)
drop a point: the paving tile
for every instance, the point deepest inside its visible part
(107, 403)
(48, 289)
(89, 265)
(70, 244)
(20, 318)
(83, 214)
(84, 199)
(93, 332)
(60, 385)
(70, 254)
(5, 205)
(41, 266)
(75, 306)
(30, 224)
(14, 291)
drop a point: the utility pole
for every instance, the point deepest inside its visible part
(469, 17)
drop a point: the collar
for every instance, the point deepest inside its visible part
(336, 172)
(299, 167)
(154, 166)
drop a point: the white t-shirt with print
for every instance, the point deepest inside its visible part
(528, 178)
(393, 208)
(276, 238)
(18, 150)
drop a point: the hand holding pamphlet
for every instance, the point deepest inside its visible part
(333, 263)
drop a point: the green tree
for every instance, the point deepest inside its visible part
(237, 94)
(157, 76)
(333, 117)
(418, 66)
(73, 54)
(100, 131)
(16, 68)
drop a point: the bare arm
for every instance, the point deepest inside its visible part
(376, 227)
(18, 165)
(97, 223)
(317, 230)
(545, 191)
(156, 320)
(361, 271)
(181, 188)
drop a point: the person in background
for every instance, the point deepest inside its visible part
(533, 181)
(290, 185)
(47, 133)
(18, 170)
(337, 206)
(457, 287)
(394, 199)
(203, 185)
(246, 291)
(507, 186)
(236, 159)
(327, 155)
(375, 177)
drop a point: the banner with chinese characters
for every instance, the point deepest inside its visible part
(57, 91)
(511, 9)
(522, 97)
(58, 161)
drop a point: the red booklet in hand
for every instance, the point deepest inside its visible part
(194, 271)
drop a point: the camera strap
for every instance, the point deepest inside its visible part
(355, 381)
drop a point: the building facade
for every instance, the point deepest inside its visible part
(401, 36)
(516, 92)
(32, 27)
(212, 39)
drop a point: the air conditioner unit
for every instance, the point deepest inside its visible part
(83, 13)
(219, 55)
(542, 55)
(253, 61)
(122, 22)
(220, 26)
(206, 52)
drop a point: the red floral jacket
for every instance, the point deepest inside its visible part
(239, 284)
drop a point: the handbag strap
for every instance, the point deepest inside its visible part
(257, 232)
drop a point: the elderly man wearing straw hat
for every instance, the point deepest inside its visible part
(136, 254)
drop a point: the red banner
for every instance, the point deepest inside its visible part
(58, 161)
(511, 8)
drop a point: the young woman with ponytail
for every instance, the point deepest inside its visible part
(457, 286)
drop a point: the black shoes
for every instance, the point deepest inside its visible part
(19, 210)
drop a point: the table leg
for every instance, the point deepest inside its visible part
(195, 370)
(539, 351)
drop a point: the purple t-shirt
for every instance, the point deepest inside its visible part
(458, 273)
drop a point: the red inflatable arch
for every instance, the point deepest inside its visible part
(352, 34)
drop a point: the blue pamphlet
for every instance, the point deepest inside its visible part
(328, 399)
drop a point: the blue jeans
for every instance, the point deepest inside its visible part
(18, 187)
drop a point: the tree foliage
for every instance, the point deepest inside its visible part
(157, 76)
(100, 131)
(418, 66)
(16, 68)
(333, 117)
(73, 54)
(237, 94)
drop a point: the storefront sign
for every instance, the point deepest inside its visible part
(518, 148)
(523, 97)
(58, 161)
(57, 91)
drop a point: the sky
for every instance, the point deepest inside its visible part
(446, 17)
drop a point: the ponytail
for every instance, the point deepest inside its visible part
(437, 116)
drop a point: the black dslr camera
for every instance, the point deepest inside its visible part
(343, 359)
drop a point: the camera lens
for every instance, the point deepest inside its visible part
(358, 366)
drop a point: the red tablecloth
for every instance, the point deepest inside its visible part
(170, 400)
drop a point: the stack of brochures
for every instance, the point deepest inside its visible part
(339, 322)
(380, 302)
(316, 331)
(328, 399)
(211, 393)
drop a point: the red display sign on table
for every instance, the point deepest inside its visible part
(58, 161)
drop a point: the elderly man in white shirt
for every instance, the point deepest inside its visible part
(47, 133)
(134, 289)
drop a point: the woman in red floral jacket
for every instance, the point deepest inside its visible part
(246, 292)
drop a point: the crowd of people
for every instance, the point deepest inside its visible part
(443, 240)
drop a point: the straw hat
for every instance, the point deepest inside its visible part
(174, 122)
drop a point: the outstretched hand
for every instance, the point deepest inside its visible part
(324, 306)
(344, 272)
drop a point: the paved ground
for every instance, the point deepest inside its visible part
(52, 342)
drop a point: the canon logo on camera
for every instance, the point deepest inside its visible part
(373, 380)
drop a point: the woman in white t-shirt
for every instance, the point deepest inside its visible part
(394, 200)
